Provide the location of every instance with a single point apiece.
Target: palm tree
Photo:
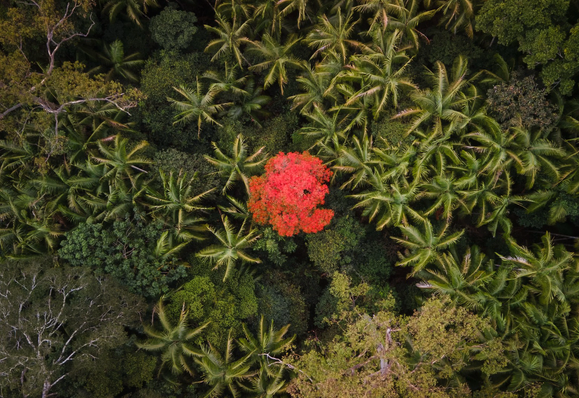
(327, 129)
(277, 57)
(231, 246)
(381, 78)
(239, 164)
(495, 145)
(533, 153)
(390, 204)
(544, 268)
(120, 163)
(134, 9)
(113, 58)
(445, 192)
(249, 103)
(406, 22)
(231, 36)
(382, 11)
(355, 159)
(176, 204)
(267, 385)
(266, 344)
(198, 105)
(315, 91)
(333, 34)
(268, 14)
(174, 342)
(459, 276)
(456, 14)
(442, 102)
(301, 6)
(500, 209)
(223, 372)
(226, 82)
(234, 10)
(425, 246)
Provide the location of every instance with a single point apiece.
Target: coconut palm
(326, 129)
(426, 246)
(444, 190)
(231, 246)
(266, 344)
(239, 164)
(389, 204)
(249, 103)
(133, 9)
(114, 62)
(315, 91)
(381, 10)
(440, 105)
(533, 153)
(198, 105)
(276, 58)
(406, 22)
(222, 372)
(355, 159)
(227, 82)
(456, 14)
(121, 163)
(334, 34)
(381, 78)
(231, 36)
(176, 205)
(174, 342)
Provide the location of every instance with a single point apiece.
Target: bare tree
(54, 318)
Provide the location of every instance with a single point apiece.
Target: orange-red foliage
(288, 194)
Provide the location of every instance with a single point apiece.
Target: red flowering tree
(288, 194)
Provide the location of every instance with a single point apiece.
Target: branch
(13, 108)
(288, 365)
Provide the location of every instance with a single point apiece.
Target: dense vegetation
(258, 198)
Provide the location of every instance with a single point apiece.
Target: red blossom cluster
(287, 195)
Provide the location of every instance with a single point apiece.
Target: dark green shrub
(173, 29)
(125, 250)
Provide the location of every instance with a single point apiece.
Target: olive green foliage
(173, 29)
(345, 246)
(174, 160)
(167, 70)
(225, 304)
(385, 355)
(275, 133)
(339, 296)
(126, 250)
(282, 301)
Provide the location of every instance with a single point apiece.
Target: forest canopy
(257, 198)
